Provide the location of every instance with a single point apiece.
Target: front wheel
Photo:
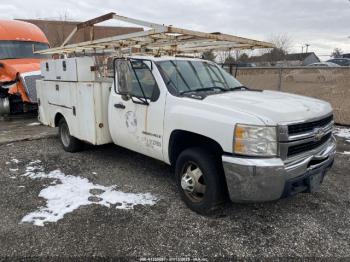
(69, 143)
(200, 180)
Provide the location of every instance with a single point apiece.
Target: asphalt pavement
(307, 225)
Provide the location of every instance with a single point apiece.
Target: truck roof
(13, 30)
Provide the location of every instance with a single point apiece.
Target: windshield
(21, 49)
(182, 76)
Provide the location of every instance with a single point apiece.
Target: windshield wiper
(239, 88)
(213, 88)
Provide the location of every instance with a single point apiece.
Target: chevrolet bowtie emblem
(319, 133)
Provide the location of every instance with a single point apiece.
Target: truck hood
(11, 67)
(270, 106)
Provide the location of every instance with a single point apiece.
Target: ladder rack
(157, 40)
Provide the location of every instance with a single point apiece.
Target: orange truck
(19, 65)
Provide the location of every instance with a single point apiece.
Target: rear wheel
(200, 180)
(69, 143)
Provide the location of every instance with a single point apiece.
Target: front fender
(204, 119)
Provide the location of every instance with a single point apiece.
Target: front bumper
(261, 180)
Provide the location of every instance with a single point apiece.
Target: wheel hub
(65, 135)
(187, 183)
(192, 182)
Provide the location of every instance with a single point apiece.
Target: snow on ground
(34, 124)
(67, 193)
(345, 153)
(15, 161)
(342, 132)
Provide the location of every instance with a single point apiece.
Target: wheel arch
(57, 119)
(181, 140)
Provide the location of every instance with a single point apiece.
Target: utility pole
(307, 47)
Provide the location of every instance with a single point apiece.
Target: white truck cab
(225, 140)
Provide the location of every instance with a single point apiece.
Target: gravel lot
(311, 225)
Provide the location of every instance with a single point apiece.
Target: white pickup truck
(226, 141)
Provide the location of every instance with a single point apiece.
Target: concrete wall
(330, 84)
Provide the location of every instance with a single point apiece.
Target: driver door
(136, 107)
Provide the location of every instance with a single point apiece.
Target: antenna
(307, 47)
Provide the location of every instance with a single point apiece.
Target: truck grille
(30, 85)
(309, 126)
(304, 147)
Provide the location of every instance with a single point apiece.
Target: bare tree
(223, 56)
(283, 42)
(244, 58)
(60, 33)
(209, 55)
(337, 53)
(283, 45)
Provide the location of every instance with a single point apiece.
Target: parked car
(241, 64)
(324, 64)
(340, 61)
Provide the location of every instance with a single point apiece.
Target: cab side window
(136, 79)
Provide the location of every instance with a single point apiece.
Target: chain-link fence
(330, 84)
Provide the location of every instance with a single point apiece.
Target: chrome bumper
(260, 180)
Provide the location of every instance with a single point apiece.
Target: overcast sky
(324, 24)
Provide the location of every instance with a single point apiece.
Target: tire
(201, 170)
(69, 143)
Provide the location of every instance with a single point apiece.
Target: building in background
(297, 59)
(58, 31)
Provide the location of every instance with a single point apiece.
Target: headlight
(255, 140)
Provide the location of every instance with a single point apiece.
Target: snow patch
(71, 192)
(342, 132)
(34, 124)
(15, 161)
(345, 153)
(13, 169)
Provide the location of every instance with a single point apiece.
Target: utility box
(83, 104)
(77, 69)
(48, 69)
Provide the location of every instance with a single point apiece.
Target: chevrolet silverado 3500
(226, 141)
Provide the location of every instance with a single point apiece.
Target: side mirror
(125, 97)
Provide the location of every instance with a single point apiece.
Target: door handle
(119, 106)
